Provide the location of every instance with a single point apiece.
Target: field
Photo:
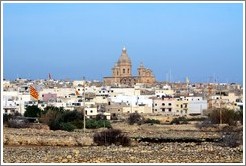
(46, 146)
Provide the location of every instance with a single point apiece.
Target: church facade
(122, 73)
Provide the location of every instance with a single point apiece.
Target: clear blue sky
(76, 40)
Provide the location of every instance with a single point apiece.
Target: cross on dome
(124, 48)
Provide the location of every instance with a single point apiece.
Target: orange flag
(33, 92)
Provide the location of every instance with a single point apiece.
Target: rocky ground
(45, 146)
(143, 153)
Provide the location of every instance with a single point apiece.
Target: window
(169, 104)
(155, 109)
(170, 109)
(163, 109)
(155, 104)
(163, 104)
(91, 111)
(181, 106)
(128, 71)
(123, 70)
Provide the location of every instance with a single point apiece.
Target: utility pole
(84, 107)
(220, 105)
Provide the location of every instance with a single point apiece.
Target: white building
(132, 100)
(14, 101)
(196, 105)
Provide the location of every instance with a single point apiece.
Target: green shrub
(197, 119)
(50, 114)
(152, 121)
(69, 116)
(60, 119)
(55, 125)
(67, 126)
(111, 136)
(32, 111)
(179, 120)
(94, 124)
(78, 123)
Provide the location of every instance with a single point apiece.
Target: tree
(135, 118)
(70, 116)
(50, 114)
(227, 116)
(32, 111)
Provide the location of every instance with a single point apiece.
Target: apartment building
(164, 105)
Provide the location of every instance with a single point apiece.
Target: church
(122, 73)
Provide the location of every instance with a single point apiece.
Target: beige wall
(139, 109)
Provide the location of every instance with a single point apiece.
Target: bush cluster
(32, 111)
(18, 123)
(7, 117)
(197, 119)
(152, 121)
(63, 119)
(135, 118)
(111, 136)
(179, 120)
(227, 116)
(60, 119)
(94, 124)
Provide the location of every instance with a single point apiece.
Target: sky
(202, 41)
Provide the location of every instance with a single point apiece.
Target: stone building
(122, 73)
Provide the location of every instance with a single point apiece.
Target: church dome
(124, 57)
